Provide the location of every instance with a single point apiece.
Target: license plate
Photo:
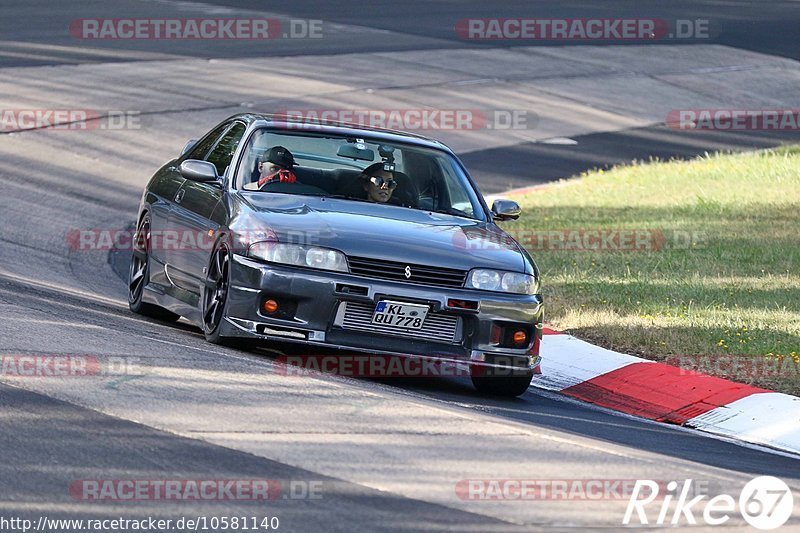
(400, 315)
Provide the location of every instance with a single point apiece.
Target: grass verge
(695, 263)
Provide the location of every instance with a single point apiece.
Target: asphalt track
(388, 454)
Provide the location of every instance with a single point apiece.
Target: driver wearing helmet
(277, 166)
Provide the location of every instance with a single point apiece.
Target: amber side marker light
(270, 306)
(520, 338)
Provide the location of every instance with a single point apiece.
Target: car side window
(222, 153)
(201, 149)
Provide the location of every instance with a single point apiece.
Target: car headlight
(501, 281)
(299, 255)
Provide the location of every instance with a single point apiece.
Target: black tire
(139, 276)
(503, 385)
(215, 297)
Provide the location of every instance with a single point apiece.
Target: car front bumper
(333, 309)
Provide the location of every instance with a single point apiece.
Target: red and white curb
(669, 394)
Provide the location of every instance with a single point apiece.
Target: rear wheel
(512, 383)
(139, 276)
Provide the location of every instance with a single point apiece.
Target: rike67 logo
(765, 503)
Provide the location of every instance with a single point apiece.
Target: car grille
(395, 271)
(437, 327)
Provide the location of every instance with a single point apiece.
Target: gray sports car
(333, 235)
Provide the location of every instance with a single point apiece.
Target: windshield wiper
(451, 211)
(343, 197)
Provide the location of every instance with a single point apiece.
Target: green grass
(735, 291)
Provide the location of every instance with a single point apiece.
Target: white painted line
(64, 290)
(478, 81)
(769, 418)
(663, 427)
(559, 140)
(53, 322)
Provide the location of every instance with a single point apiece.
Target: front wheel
(500, 385)
(215, 295)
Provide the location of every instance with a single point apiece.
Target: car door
(192, 212)
(165, 248)
(162, 191)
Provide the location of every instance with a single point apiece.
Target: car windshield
(357, 169)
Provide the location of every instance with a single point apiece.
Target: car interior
(332, 167)
(334, 182)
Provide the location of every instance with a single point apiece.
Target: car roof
(288, 123)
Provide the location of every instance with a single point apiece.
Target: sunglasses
(380, 182)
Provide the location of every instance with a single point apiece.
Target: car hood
(386, 232)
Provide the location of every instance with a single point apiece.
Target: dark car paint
(356, 228)
(364, 229)
(376, 230)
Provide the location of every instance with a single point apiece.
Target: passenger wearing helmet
(277, 166)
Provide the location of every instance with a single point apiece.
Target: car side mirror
(506, 210)
(188, 146)
(201, 171)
